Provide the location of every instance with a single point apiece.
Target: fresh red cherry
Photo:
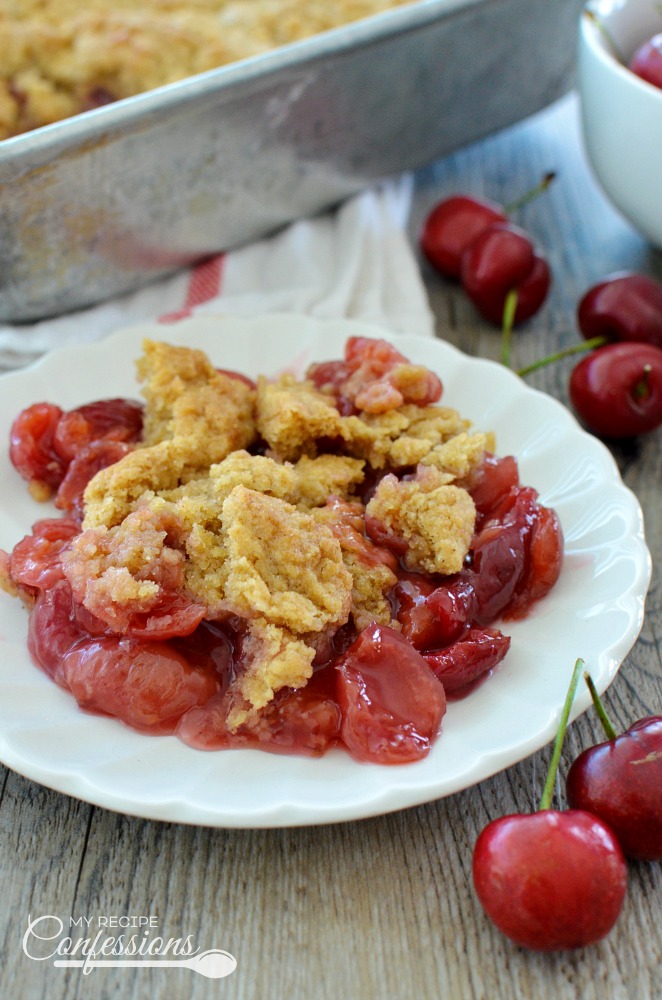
(647, 61)
(551, 880)
(616, 390)
(623, 306)
(501, 260)
(620, 781)
(451, 226)
(456, 221)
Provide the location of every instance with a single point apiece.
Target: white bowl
(621, 113)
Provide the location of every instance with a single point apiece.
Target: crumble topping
(325, 476)
(460, 455)
(275, 542)
(120, 571)
(435, 519)
(401, 437)
(186, 397)
(7, 583)
(113, 492)
(194, 416)
(60, 57)
(274, 659)
(293, 416)
(372, 572)
(282, 565)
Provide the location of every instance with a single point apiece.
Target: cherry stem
(548, 790)
(610, 732)
(586, 345)
(509, 309)
(524, 199)
(607, 35)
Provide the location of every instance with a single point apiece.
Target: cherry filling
(514, 561)
(90, 459)
(469, 659)
(32, 445)
(164, 668)
(305, 721)
(381, 694)
(146, 683)
(374, 378)
(392, 704)
(35, 562)
(47, 443)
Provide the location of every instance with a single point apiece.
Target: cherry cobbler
(290, 564)
(62, 57)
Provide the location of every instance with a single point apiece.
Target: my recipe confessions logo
(89, 943)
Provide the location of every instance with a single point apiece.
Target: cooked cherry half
(391, 702)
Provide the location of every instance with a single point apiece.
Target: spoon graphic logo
(46, 940)
(213, 964)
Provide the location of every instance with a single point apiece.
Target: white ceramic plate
(595, 611)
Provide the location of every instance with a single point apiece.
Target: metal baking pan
(104, 202)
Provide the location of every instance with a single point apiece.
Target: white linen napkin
(354, 262)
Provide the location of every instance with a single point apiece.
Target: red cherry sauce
(46, 442)
(370, 379)
(380, 693)
(515, 559)
(147, 683)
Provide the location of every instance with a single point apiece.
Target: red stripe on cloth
(205, 281)
(204, 284)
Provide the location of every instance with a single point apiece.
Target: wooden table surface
(382, 908)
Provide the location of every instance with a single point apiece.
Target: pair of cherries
(496, 262)
(554, 880)
(616, 390)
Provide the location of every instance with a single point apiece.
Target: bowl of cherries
(619, 75)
